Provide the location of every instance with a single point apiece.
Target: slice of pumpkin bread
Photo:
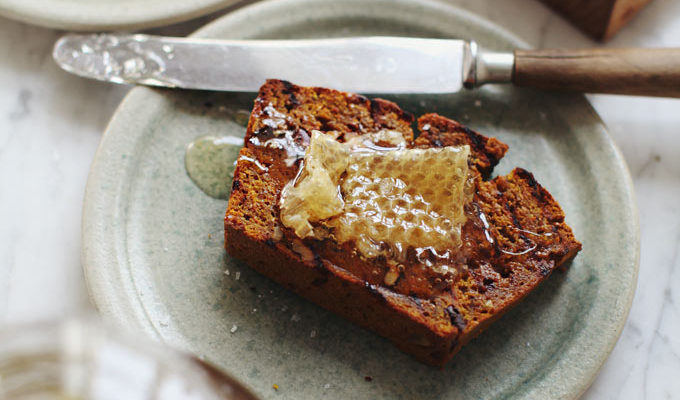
(428, 304)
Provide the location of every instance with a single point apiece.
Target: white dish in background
(107, 15)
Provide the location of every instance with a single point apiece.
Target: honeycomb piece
(384, 199)
(404, 198)
(368, 142)
(315, 194)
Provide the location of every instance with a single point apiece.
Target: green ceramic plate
(153, 247)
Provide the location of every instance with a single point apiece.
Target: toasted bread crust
(438, 131)
(515, 235)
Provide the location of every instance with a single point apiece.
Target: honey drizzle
(285, 141)
(254, 161)
(533, 245)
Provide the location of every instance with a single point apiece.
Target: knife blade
(363, 64)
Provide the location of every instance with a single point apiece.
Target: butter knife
(363, 64)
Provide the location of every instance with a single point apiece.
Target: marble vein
(658, 336)
(22, 108)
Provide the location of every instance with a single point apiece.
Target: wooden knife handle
(643, 72)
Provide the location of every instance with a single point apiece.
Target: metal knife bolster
(480, 67)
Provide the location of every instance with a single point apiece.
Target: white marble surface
(51, 122)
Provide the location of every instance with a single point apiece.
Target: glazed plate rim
(109, 285)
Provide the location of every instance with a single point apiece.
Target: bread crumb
(233, 329)
(391, 277)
